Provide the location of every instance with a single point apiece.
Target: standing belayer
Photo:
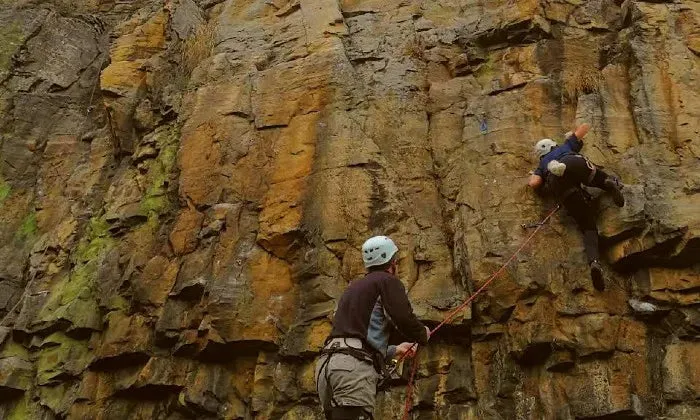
(564, 170)
(354, 355)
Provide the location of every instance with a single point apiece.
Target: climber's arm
(535, 181)
(574, 139)
(581, 131)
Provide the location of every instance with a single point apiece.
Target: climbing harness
(357, 353)
(454, 312)
(593, 169)
(386, 376)
(362, 354)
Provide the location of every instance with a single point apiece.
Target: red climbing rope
(409, 387)
(454, 312)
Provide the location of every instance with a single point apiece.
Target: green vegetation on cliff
(11, 39)
(155, 201)
(5, 190)
(28, 228)
(73, 297)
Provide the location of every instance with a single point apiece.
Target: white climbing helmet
(544, 146)
(378, 250)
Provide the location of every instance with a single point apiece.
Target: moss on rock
(73, 297)
(96, 243)
(156, 202)
(13, 349)
(11, 39)
(28, 228)
(61, 356)
(24, 409)
(5, 190)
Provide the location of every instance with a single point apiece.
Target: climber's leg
(581, 170)
(578, 206)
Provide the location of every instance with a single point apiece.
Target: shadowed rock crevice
(120, 361)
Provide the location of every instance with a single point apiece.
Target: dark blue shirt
(571, 146)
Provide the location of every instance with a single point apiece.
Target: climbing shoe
(613, 188)
(597, 275)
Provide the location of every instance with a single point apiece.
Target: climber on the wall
(354, 355)
(563, 170)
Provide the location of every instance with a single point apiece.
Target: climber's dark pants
(576, 201)
(578, 205)
(348, 413)
(580, 171)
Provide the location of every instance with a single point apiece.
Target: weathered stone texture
(185, 186)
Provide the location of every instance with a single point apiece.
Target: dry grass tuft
(582, 82)
(415, 48)
(198, 46)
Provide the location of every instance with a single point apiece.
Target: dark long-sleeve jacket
(369, 308)
(572, 145)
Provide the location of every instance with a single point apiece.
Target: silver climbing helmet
(378, 250)
(544, 146)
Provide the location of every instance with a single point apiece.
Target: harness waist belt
(344, 342)
(353, 347)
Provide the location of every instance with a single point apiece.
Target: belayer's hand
(406, 350)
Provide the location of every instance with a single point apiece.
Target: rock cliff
(185, 186)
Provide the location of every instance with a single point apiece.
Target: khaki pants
(346, 381)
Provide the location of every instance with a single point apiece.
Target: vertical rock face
(185, 186)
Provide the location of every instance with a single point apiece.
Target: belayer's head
(544, 146)
(378, 254)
